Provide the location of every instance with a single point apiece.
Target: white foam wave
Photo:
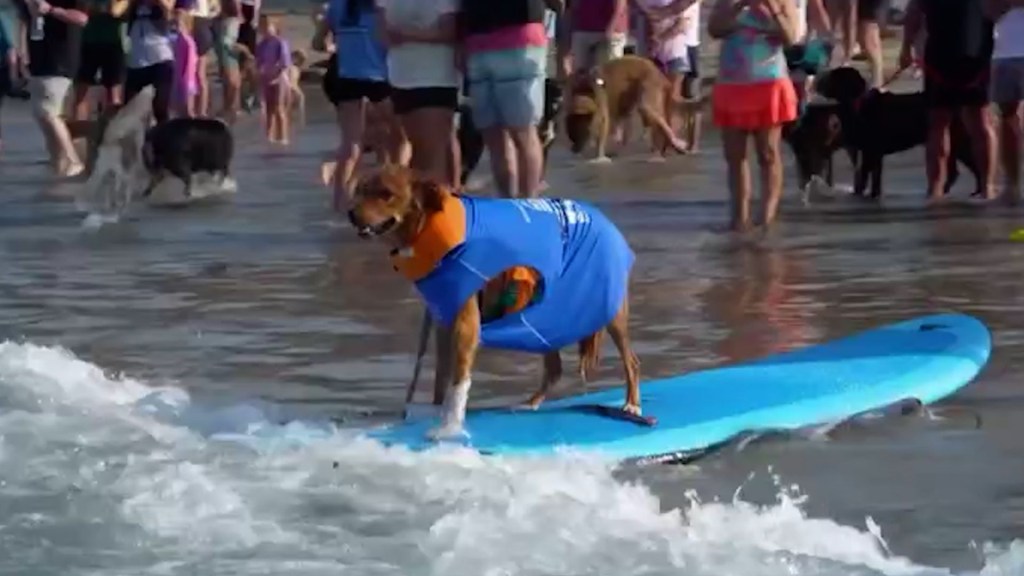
(103, 474)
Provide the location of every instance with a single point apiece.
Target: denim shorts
(226, 36)
(507, 86)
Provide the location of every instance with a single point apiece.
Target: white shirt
(674, 47)
(1009, 35)
(691, 21)
(420, 64)
(201, 9)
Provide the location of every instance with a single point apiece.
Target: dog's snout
(361, 229)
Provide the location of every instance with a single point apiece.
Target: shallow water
(140, 354)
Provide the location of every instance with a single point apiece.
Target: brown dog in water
(466, 257)
(610, 94)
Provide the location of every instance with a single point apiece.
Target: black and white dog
(471, 142)
(129, 159)
(184, 147)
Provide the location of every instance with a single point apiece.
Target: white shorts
(48, 94)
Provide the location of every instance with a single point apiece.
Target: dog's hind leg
(590, 355)
(876, 178)
(552, 374)
(953, 174)
(619, 331)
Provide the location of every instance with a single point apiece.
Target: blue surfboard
(924, 359)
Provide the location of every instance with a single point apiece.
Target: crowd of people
(400, 67)
(66, 51)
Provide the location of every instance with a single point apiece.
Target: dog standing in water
(528, 275)
(607, 96)
(876, 124)
(185, 147)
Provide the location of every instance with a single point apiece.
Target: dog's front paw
(633, 409)
(448, 430)
(601, 160)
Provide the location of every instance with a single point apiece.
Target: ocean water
(181, 391)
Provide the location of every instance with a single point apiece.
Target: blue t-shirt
(361, 55)
(8, 28)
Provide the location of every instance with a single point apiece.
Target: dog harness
(582, 258)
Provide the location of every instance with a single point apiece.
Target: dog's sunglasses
(367, 231)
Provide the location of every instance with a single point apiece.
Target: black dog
(471, 142)
(814, 138)
(876, 124)
(184, 146)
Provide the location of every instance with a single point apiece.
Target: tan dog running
(465, 256)
(609, 95)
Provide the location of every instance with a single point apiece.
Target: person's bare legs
(352, 122)
(47, 103)
(80, 106)
(430, 154)
(1010, 132)
(850, 27)
(530, 160)
(202, 97)
(937, 151)
(454, 156)
(734, 145)
(870, 36)
(843, 14)
(232, 79)
(502, 154)
(769, 160)
(983, 143)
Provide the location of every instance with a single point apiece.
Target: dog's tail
(132, 117)
(590, 354)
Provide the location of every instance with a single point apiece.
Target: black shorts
(406, 100)
(247, 29)
(691, 81)
(340, 90)
(962, 82)
(161, 77)
(202, 33)
(102, 64)
(5, 83)
(876, 11)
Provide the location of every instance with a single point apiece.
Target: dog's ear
(430, 195)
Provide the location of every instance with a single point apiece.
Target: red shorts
(754, 106)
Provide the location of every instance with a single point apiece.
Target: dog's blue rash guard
(582, 257)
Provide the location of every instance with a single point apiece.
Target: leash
(410, 391)
(885, 84)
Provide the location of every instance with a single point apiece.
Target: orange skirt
(754, 106)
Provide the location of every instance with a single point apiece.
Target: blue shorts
(507, 87)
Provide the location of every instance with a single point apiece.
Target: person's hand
(775, 7)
